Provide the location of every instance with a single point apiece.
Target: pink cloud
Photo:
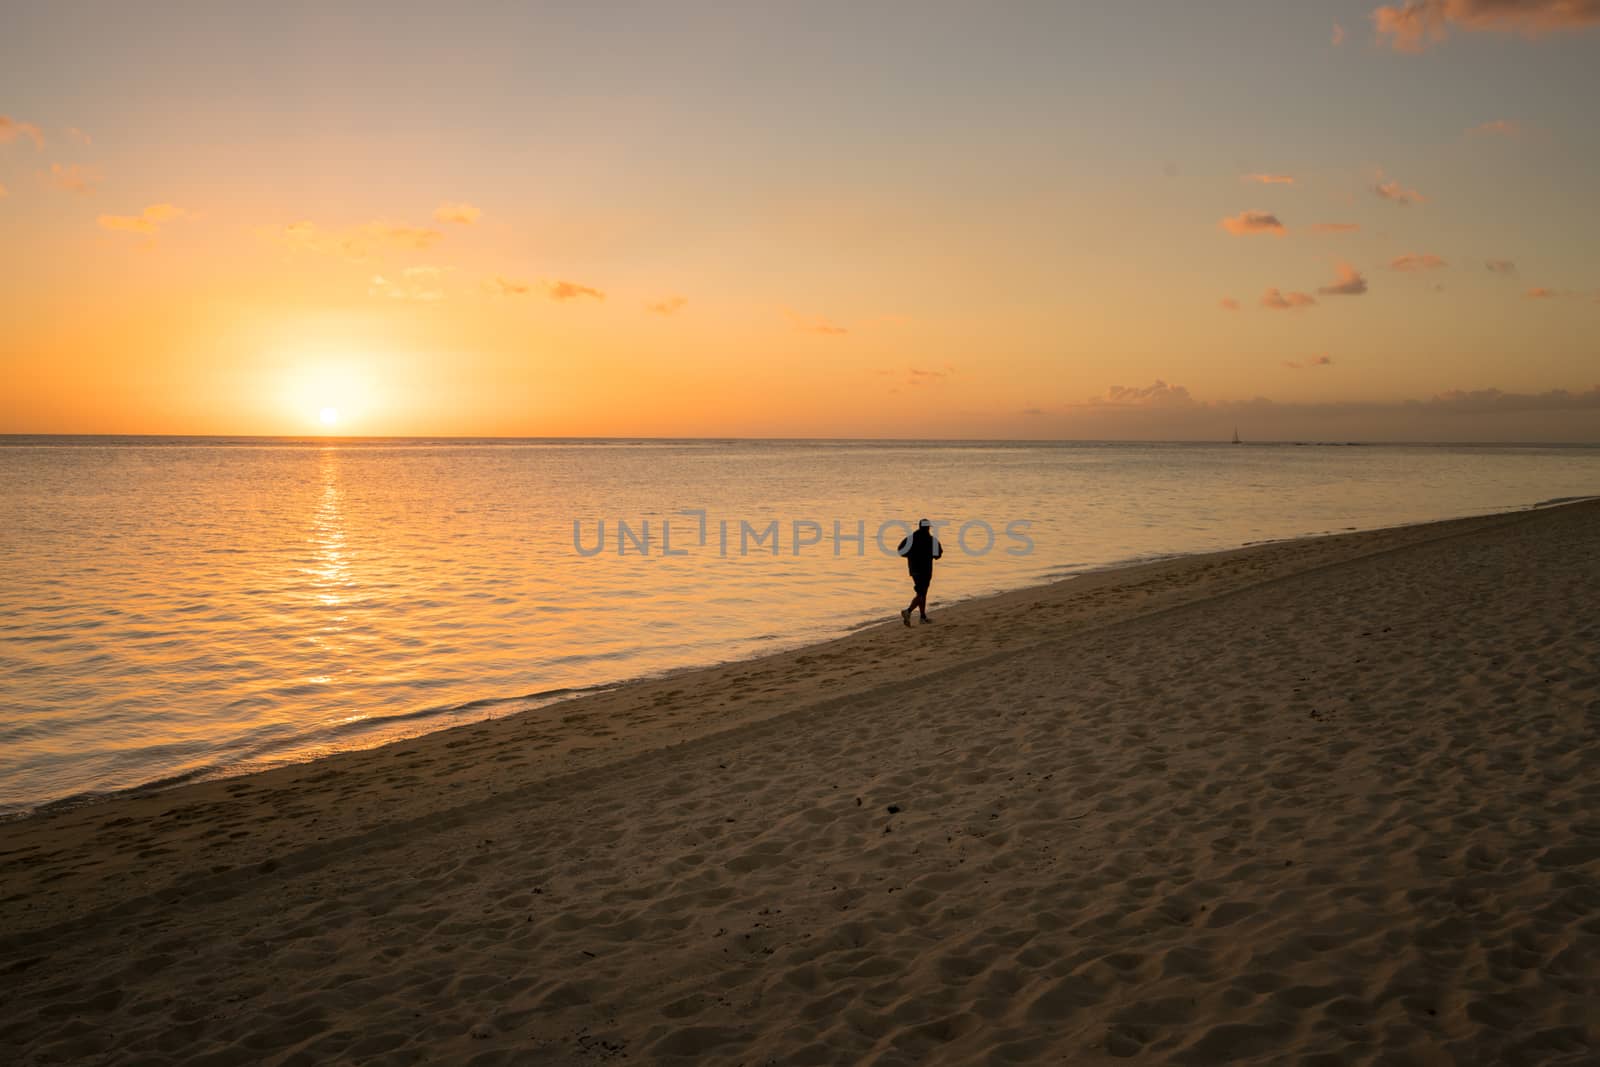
(1392, 190)
(1157, 394)
(1274, 300)
(1335, 227)
(73, 178)
(1501, 266)
(148, 222)
(670, 306)
(499, 286)
(1248, 222)
(571, 291)
(1418, 24)
(1228, 303)
(1498, 128)
(1412, 263)
(11, 130)
(1350, 283)
(369, 240)
(1322, 361)
(1338, 35)
(459, 213)
(917, 376)
(815, 324)
(1539, 292)
(1270, 179)
(417, 285)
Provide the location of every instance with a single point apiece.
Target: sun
(327, 393)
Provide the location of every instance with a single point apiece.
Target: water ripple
(171, 610)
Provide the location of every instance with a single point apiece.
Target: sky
(1332, 220)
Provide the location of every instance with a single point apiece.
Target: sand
(1330, 801)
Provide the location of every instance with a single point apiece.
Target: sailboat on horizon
(1236, 436)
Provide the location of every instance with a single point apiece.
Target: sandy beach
(1318, 802)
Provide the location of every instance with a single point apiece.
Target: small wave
(319, 739)
(78, 800)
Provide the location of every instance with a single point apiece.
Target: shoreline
(1282, 558)
(537, 702)
(1310, 801)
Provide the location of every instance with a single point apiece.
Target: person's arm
(938, 549)
(901, 547)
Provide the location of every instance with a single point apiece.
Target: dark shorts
(919, 582)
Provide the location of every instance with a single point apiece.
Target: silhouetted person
(920, 550)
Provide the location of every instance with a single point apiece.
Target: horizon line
(352, 438)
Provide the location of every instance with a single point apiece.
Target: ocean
(177, 608)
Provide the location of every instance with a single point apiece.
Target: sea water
(178, 608)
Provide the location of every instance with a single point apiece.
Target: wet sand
(1328, 801)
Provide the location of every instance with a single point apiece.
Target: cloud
(1156, 395)
(11, 130)
(1350, 283)
(1248, 222)
(1274, 300)
(1412, 263)
(78, 136)
(371, 240)
(1479, 401)
(499, 286)
(670, 306)
(73, 178)
(148, 222)
(1498, 128)
(918, 376)
(461, 214)
(1335, 227)
(1314, 361)
(1392, 190)
(1501, 266)
(1338, 35)
(1418, 24)
(1539, 292)
(1454, 415)
(815, 324)
(397, 234)
(1228, 303)
(414, 284)
(1453, 401)
(1269, 179)
(570, 291)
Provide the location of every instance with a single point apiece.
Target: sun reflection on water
(331, 571)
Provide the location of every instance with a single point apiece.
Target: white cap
(924, 522)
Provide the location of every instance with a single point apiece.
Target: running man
(920, 550)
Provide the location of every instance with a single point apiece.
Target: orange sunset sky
(1076, 220)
